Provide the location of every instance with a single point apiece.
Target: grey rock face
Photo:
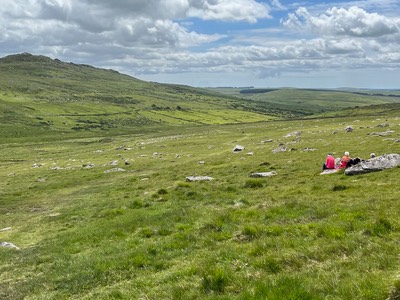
(379, 163)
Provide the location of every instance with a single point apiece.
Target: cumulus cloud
(162, 36)
(227, 10)
(354, 22)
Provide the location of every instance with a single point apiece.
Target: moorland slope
(93, 192)
(39, 95)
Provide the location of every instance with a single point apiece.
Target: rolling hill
(44, 96)
(39, 94)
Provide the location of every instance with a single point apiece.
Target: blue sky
(209, 43)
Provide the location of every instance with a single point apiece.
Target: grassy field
(303, 102)
(146, 233)
(93, 191)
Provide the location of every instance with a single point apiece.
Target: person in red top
(345, 159)
(329, 163)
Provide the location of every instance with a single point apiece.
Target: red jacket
(344, 161)
(330, 162)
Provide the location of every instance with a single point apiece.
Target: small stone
(114, 170)
(263, 174)
(8, 245)
(238, 148)
(199, 178)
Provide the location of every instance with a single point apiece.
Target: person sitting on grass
(345, 159)
(329, 163)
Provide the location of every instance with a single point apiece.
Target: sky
(216, 43)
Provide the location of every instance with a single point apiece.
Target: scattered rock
(36, 165)
(199, 178)
(250, 153)
(41, 179)
(123, 148)
(238, 148)
(5, 229)
(383, 125)
(201, 162)
(281, 148)
(379, 163)
(294, 134)
(114, 163)
(266, 141)
(56, 168)
(263, 174)
(384, 133)
(8, 245)
(127, 163)
(88, 166)
(114, 170)
(349, 129)
(309, 149)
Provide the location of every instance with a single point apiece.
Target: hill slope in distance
(41, 96)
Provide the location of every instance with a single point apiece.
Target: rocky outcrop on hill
(379, 163)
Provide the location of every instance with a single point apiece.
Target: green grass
(145, 232)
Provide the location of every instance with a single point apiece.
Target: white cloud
(144, 37)
(228, 10)
(354, 22)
